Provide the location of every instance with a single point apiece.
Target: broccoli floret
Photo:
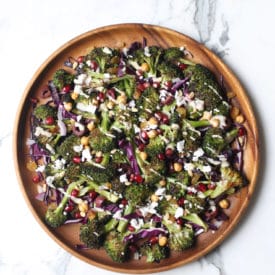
(55, 217)
(119, 157)
(171, 132)
(169, 71)
(167, 207)
(194, 204)
(176, 55)
(215, 140)
(176, 184)
(72, 172)
(206, 88)
(106, 58)
(148, 102)
(155, 146)
(102, 173)
(57, 173)
(62, 78)
(125, 83)
(93, 233)
(150, 55)
(44, 111)
(230, 178)
(137, 194)
(180, 238)
(154, 253)
(116, 247)
(66, 148)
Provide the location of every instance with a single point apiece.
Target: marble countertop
(240, 32)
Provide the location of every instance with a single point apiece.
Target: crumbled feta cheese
(107, 50)
(59, 164)
(197, 104)
(197, 154)
(80, 79)
(147, 51)
(41, 132)
(49, 181)
(149, 209)
(50, 148)
(123, 178)
(160, 191)
(90, 108)
(221, 119)
(188, 166)
(78, 148)
(86, 155)
(40, 168)
(180, 146)
(179, 212)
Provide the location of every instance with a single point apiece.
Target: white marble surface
(241, 32)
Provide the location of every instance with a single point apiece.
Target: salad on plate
(140, 146)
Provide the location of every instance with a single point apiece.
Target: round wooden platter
(116, 36)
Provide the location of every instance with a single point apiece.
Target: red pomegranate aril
(138, 178)
(161, 156)
(168, 100)
(124, 202)
(241, 131)
(202, 187)
(74, 193)
(211, 186)
(141, 87)
(69, 208)
(66, 89)
(111, 93)
(49, 120)
(180, 221)
(77, 215)
(101, 96)
(183, 66)
(158, 115)
(144, 135)
(168, 84)
(169, 152)
(180, 201)
(156, 85)
(36, 178)
(76, 159)
(92, 195)
(165, 119)
(153, 240)
(141, 147)
(98, 159)
(94, 65)
(131, 228)
(80, 59)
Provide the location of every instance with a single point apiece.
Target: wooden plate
(114, 36)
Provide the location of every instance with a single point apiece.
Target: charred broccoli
(93, 233)
(116, 247)
(66, 148)
(154, 253)
(169, 71)
(62, 78)
(137, 194)
(44, 111)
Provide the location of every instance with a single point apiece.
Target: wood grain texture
(114, 36)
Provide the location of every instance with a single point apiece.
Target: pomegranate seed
(66, 89)
(211, 186)
(168, 100)
(111, 93)
(74, 193)
(165, 119)
(180, 221)
(101, 97)
(141, 147)
(94, 65)
(34, 100)
(98, 159)
(168, 84)
(36, 178)
(69, 208)
(131, 228)
(77, 215)
(76, 159)
(169, 152)
(124, 202)
(92, 195)
(138, 178)
(141, 86)
(181, 201)
(153, 240)
(201, 187)
(49, 120)
(156, 85)
(161, 156)
(241, 131)
(80, 59)
(158, 115)
(144, 135)
(182, 66)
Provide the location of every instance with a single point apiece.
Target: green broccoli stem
(123, 223)
(231, 135)
(187, 62)
(198, 123)
(110, 225)
(105, 122)
(108, 195)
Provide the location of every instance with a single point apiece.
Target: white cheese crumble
(107, 50)
(90, 108)
(180, 146)
(86, 155)
(123, 178)
(41, 132)
(179, 212)
(59, 164)
(78, 148)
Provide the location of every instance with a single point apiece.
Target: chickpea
(68, 106)
(234, 112)
(153, 121)
(215, 123)
(74, 95)
(122, 99)
(152, 133)
(83, 207)
(224, 204)
(154, 198)
(163, 240)
(91, 126)
(84, 140)
(178, 167)
(162, 182)
(239, 118)
(143, 155)
(145, 67)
